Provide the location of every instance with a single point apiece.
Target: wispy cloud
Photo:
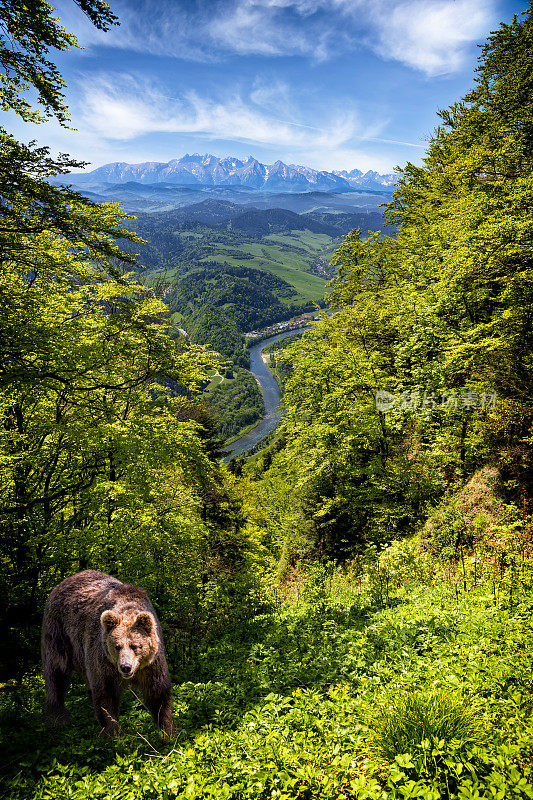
(125, 107)
(118, 110)
(264, 27)
(157, 27)
(432, 36)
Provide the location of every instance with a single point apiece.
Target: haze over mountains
(208, 170)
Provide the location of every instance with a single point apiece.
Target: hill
(295, 247)
(157, 197)
(256, 222)
(259, 223)
(347, 614)
(209, 325)
(176, 247)
(251, 298)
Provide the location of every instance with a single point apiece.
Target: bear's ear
(145, 622)
(109, 620)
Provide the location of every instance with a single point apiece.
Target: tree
(474, 194)
(29, 203)
(28, 31)
(101, 463)
(441, 317)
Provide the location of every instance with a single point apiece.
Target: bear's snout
(127, 663)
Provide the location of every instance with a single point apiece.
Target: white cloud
(158, 27)
(429, 35)
(432, 36)
(117, 111)
(262, 27)
(125, 107)
(272, 95)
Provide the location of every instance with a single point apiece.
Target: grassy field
(286, 264)
(312, 242)
(339, 689)
(290, 256)
(215, 379)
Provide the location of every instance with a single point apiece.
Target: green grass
(215, 381)
(313, 242)
(283, 705)
(308, 286)
(413, 718)
(286, 264)
(290, 256)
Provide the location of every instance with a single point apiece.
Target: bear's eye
(134, 647)
(118, 646)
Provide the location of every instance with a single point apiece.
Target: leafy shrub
(423, 720)
(405, 562)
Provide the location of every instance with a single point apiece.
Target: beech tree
(28, 31)
(440, 317)
(101, 464)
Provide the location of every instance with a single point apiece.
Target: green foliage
(211, 326)
(187, 236)
(378, 678)
(424, 720)
(284, 704)
(281, 344)
(237, 403)
(250, 297)
(438, 319)
(27, 37)
(103, 458)
(177, 247)
(95, 468)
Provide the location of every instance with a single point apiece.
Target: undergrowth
(424, 692)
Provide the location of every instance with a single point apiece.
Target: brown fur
(100, 627)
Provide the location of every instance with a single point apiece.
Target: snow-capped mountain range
(209, 170)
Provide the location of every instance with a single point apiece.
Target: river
(271, 397)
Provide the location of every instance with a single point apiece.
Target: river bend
(271, 397)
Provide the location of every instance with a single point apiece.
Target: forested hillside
(423, 375)
(346, 613)
(181, 238)
(100, 462)
(251, 298)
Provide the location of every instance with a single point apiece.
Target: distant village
(279, 327)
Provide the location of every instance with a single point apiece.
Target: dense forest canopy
(251, 298)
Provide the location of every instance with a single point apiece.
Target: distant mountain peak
(198, 169)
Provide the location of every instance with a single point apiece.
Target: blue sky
(332, 84)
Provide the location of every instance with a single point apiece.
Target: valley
(341, 610)
(229, 272)
(271, 396)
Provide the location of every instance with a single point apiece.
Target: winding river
(271, 397)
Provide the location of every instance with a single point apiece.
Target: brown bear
(109, 633)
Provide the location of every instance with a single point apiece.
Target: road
(271, 397)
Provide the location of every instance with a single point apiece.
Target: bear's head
(131, 640)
